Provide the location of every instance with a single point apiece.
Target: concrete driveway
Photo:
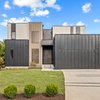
(82, 84)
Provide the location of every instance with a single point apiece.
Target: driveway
(82, 84)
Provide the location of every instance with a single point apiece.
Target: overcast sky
(51, 12)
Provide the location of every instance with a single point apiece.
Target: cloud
(39, 13)
(4, 15)
(80, 23)
(39, 6)
(52, 4)
(65, 24)
(26, 3)
(86, 7)
(15, 20)
(6, 5)
(96, 20)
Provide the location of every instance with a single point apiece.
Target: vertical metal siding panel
(20, 55)
(99, 51)
(77, 51)
(93, 51)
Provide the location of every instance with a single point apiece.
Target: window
(35, 37)
(77, 29)
(47, 34)
(35, 55)
(13, 31)
(12, 53)
(71, 30)
(13, 35)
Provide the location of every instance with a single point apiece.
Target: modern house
(59, 47)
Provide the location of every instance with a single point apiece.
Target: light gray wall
(67, 30)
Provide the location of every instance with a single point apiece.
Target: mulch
(35, 97)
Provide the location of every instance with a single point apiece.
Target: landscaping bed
(35, 97)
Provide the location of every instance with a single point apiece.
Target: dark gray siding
(17, 52)
(77, 51)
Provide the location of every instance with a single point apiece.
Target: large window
(35, 55)
(13, 31)
(35, 36)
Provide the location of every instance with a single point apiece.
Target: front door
(47, 55)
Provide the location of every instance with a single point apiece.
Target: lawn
(21, 77)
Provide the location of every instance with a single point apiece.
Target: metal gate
(77, 51)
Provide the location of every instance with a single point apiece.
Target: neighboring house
(29, 42)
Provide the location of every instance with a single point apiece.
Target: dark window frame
(13, 31)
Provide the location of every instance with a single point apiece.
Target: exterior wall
(17, 53)
(35, 26)
(81, 51)
(9, 31)
(22, 31)
(82, 30)
(61, 30)
(67, 30)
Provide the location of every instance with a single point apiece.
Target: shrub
(29, 90)
(2, 63)
(10, 91)
(51, 90)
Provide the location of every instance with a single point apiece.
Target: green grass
(22, 77)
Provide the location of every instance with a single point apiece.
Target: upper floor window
(13, 31)
(47, 34)
(77, 29)
(71, 30)
(35, 37)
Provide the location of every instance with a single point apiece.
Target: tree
(2, 54)
(2, 49)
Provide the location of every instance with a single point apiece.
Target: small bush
(1, 62)
(51, 90)
(29, 90)
(10, 91)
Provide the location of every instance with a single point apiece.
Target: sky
(51, 12)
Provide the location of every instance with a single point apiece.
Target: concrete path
(82, 84)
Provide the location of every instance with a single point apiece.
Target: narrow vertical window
(12, 53)
(13, 31)
(35, 55)
(77, 29)
(71, 30)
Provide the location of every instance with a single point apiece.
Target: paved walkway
(82, 84)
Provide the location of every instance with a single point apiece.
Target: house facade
(29, 43)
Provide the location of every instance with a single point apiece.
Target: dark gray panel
(77, 51)
(20, 52)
